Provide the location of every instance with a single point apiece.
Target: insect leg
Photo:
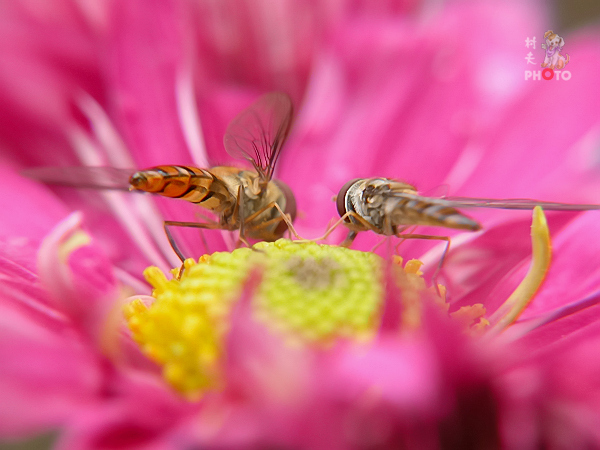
(351, 234)
(376, 246)
(204, 242)
(333, 227)
(243, 241)
(204, 216)
(209, 220)
(283, 216)
(267, 224)
(238, 211)
(347, 242)
(171, 223)
(402, 231)
(441, 263)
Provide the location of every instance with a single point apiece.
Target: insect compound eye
(290, 200)
(341, 197)
(290, 204)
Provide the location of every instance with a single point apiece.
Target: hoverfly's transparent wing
(506, 203)
(258, 133)
(515, 203)
(82, 177)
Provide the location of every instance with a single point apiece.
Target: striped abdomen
(412, 210)
(188, 183)
(388, 204)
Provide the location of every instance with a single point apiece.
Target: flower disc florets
(310, 294)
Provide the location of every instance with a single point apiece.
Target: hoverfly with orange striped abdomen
(250, 201)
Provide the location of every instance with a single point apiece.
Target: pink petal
(45, 377)
(22, 291)
(31, 211)
(138, 411)
(148, 52)
(550, 162)
(573, 274)
(554, 398)
(251, 349)
(83, 287)
(265, 383)
(490, 266)
(406, 375)
(563, 327)
(47, 54)
(259, 46)
(391, 99)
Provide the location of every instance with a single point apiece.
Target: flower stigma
(516, 303)
(309, 294)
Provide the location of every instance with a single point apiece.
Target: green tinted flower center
(309, 294)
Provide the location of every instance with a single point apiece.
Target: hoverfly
(390, 207)
(246, 200)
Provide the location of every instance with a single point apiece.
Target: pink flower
(431, 96)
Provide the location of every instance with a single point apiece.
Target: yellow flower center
(309, 294)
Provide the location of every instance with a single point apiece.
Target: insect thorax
(255, 196)
(370, 199)
(255, 202)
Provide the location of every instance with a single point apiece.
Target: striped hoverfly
(390, 207)
(250, 201)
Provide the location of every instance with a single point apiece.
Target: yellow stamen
(310, 294)
(510, 310)
(412, 285)
(471, 317)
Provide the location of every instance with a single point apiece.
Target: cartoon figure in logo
(554, 45)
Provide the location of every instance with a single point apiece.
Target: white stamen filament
(107, 136)
(90, 155)
(117, 155)
(189, 118)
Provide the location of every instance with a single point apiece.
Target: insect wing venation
(257, 134)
